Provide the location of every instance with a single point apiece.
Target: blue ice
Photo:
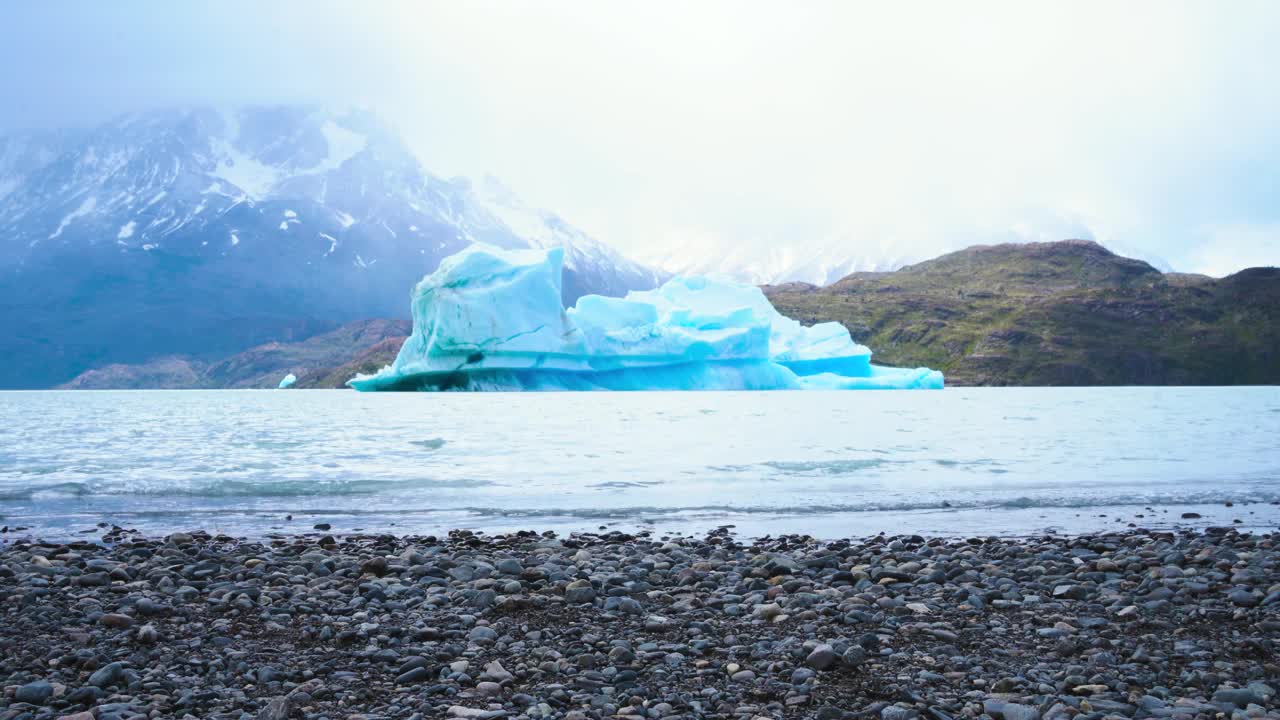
(492, 319)
(287, 381)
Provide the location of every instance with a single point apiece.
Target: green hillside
(1062, 313)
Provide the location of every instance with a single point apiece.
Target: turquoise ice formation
(287, 381)
(491, 319)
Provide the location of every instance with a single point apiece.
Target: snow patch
(343, 145)
(290, 214)
(526, 223)
(252, 177)
(333, 243)
(235, 240)
(819, 264)
(256, 179)
(86, 207)
(284, 225)
(497, 204)
(126, 230)
(346, 220)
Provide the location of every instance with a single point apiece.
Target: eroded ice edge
(492, 319)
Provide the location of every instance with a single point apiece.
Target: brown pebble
(116, 620)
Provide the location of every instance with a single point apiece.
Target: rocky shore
(1129, 625)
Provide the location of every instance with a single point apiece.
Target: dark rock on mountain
(263, 366)
(200, 232)
(1061, 313)
(168, 372)
(313, 360)
(367, 362)
(791, 287)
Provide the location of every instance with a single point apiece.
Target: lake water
(989, 461)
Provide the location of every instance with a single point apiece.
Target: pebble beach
(1133, 624)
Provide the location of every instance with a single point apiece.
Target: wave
(1004, 516)
(853, 466)
(1018, 503)
(221, 488)
(930, 505)
(64, 489)
(812, 467)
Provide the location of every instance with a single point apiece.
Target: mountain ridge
(1056, 313)
(1060, 313)
(201, 231)
(261, 366)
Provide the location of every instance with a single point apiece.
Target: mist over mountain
(780, 263)
(807, 255)
(204, 230)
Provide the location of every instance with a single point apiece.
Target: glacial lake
(1010, 461)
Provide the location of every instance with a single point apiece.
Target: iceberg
(287, 381)
(492, 319)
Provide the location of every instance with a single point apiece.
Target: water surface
(1008, 461)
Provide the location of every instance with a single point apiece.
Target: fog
(683, 129)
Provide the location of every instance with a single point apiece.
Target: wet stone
(610, 625)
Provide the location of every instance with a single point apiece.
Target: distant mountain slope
(1064, 313)
(202, 232)
(818, 265)
(171, 372)
(1061, 313)
(366, 362)
(258, 367)
(822, 260)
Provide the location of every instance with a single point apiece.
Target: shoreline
(944, 521)
(1135, 623)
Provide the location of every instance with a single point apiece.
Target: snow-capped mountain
(772, 265)
(204, 230)
(822, 257)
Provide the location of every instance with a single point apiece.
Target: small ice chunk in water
(491, 319)
(288, 381)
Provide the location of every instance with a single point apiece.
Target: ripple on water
(223, 452)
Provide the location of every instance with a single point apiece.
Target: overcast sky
(884, 128)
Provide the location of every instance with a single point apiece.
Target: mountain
(1056, 313)
(366, 362)
(203, 231)
(170, 372)
(262, 366)
(822, 258)
(779, 263)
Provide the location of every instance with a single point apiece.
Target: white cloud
(866, 127)
(1228, 248)
(873, 127)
